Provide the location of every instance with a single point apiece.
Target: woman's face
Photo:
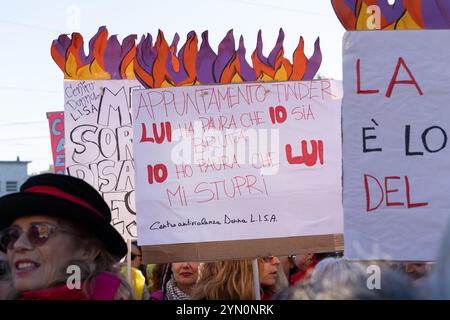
(37, 266)
(185, 273)
(137, 255)
(303, 261)
(268, 271)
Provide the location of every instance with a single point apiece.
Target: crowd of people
(56, 222)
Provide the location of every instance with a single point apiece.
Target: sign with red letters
(237, 161)
(395, 144)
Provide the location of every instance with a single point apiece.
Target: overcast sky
(31, 83)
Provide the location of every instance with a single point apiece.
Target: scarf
(61, 292)
(172, 292)
(104, 288)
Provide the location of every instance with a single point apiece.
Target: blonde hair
(225, 280)
(90, 269)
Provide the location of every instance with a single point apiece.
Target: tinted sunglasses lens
(38, 234)
(8, 238)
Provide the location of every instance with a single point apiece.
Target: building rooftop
(14, 161)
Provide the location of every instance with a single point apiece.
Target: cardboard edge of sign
(242, 249)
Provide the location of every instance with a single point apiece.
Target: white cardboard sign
(237, 161)
(396, 164)
(98, 144)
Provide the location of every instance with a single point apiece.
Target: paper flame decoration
(403, 14)
(160, 65)
(107, 58)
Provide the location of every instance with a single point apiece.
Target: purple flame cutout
(314, 62)
(246, 72)
(205, 61)
(225, 53)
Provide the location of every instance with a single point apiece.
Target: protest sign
(218, 165)
(56, 124)
(99, 133)
(395, 153)
(97, 117)
(90, 142)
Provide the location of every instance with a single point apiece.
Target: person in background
(136, 259)
(282, 281)
(138, 280)
(293, 268)
(417, 270)
(269, 269)
(7, 291)
(289, 266)
(59, 241)
(179, 280)
(335, 273)
(437, 283)
(340, 279)
(155, 274)
(233, 279)
(225, 280)
(306, 264)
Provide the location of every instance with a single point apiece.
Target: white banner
(395, 151)
(98, 144)
(237, 161)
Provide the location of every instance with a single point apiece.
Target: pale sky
(31, 83)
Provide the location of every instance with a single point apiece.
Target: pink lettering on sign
(56, 124)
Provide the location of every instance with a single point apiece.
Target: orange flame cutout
(277, 67)
(173, 53)
(161, 65)
(107, 59)
(299, 61)
(181, 67)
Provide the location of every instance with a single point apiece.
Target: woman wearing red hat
(59, 241)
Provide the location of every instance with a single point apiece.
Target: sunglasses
(268, 259)
(37, 234)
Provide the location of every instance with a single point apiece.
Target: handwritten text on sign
(395, 128)
(99, 133)
(240, 161)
